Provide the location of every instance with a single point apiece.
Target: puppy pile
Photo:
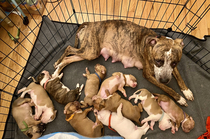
(156, 55)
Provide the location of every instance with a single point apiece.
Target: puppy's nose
(164, 80)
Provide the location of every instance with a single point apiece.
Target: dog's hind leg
(68, 60)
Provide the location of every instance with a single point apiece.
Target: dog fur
(133, 45)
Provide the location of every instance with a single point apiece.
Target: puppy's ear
(179, 42)
(117, 74)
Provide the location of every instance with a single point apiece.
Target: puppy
(122, 125)
(22, 113)
(116, 82)
(92, 84)
(112, 103)
(80, 122)
(54, 86)
(152, 108)
(176, 113)
(43, 104)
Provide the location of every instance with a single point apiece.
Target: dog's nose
(164, 80)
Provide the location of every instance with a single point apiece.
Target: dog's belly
(126, 60)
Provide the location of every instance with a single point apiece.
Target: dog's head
(71, 107)
(98, 103)
(35, 131)
(188, 124)
(100, 69)
(130, 80)
(166, 54)
(43, 77)
(49, 116)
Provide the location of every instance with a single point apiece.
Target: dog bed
(43, 58)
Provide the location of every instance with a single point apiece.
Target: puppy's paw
(81, 87)
(77, 85)
(188, 94)
(182, 101)
(121, 105)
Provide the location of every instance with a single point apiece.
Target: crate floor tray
(55, 37)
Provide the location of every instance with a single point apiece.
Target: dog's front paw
(182, 101)
(188, 94)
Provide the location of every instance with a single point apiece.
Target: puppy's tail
(32, 78)
(82, 26)
(140, 107)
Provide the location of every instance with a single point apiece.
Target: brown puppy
(176, 113)
(92, 84)
(132, 112)
(80, 122)
(44, 107)
(133, 45)
(116, 82)
(54, 86)
(22, 113)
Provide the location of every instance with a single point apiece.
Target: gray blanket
(51, 44)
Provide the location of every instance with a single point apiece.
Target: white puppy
(152, 108)
(125, 127)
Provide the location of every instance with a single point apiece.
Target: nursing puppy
(113, 101)
(134, 46)
(80, 122)
(152, 108)
(92, 84)
(116, 82)
(22, 113)
(122, 125)
(177, 115)
(54, 86)
(44, 108)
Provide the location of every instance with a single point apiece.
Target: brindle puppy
(57, 89)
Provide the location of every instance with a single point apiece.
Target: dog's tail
(78, 30)
(32, 78)
(140, 107)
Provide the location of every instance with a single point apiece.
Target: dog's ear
(179, 42)
(151, 40)
(116, 74)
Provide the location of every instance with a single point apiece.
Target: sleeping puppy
(176, 113)
(122, 125)
(80, 122)
(152, 108)
(92, 84)
(44, 107)
(116, 82)
(22, 113)
(57, 89)
(113, 101)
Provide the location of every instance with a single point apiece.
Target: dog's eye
(159, 62)
(173, 64)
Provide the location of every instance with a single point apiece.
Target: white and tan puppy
(116, 82)
(178, 116)
(152, 108)
(44, 107)
(125, 127)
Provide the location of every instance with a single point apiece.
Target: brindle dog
(133, 45)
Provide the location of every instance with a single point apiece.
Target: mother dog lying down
(133, 45)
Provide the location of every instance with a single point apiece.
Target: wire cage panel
(181, 16)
